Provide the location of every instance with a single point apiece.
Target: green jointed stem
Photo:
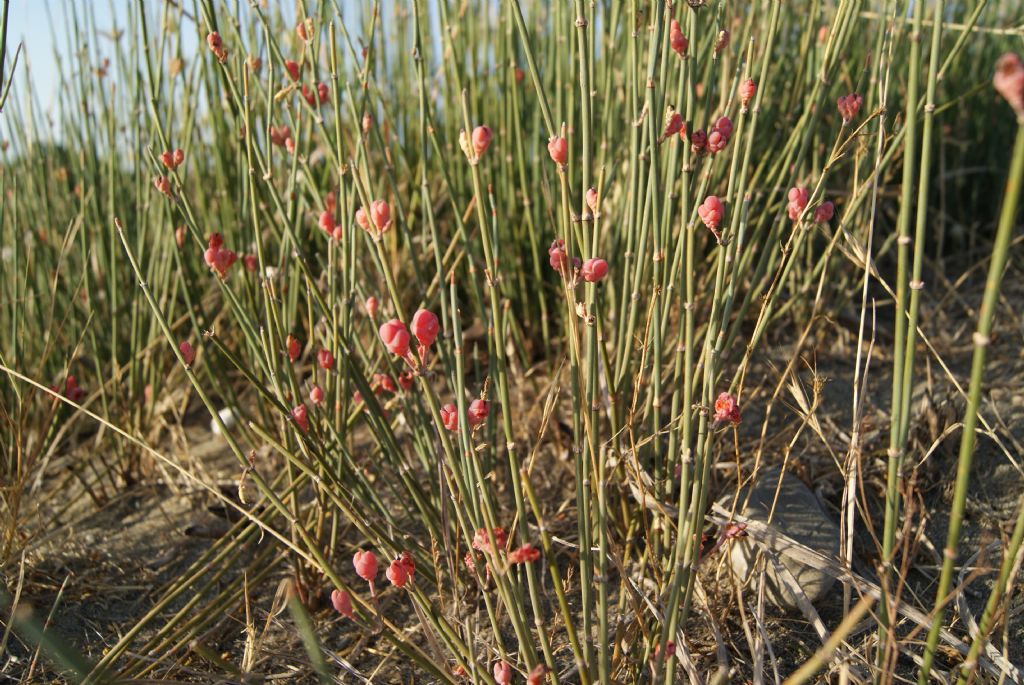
(982, 339)
(897, 441)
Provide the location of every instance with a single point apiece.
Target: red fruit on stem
(279, 135)
(482, 136)
(722, 42)
(294, 348)
(470, 561)
(747, 91)
(397, 574)
(717, 141)
(325, 359)
(823, 214)
(478, 411)
(698, 141)
(1009, 81)
(711, 212)
(301, 418)
(723, 126)
(557, 257)
(670, 650)
(726, 409)
(381, 214)
(502, 673)
(188, 353)
(524, 554)
(558, 148)
(363, 219)
(326, 221)
(450, 417)
(71, 389)
(797, 199)
(395, 337)
(225, 258)
(316, 395)
(682, 132)
(406, 560)
(217, 257)
(536, 676)
(365, 563)
(849, 106)
(216, 45)
(482, 542)
(313, 97)
(342, 603)
(594, 270)
(673, 123)
(425, 327)
(677, 40)
(798, 195)
(383, 383)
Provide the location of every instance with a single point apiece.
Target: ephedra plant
(478, 297)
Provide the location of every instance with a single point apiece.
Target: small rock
(227, 417)
(798, 515)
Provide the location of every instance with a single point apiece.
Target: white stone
(227, 417)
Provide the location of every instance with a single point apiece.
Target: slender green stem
(982, 339)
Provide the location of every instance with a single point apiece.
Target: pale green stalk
(897, 443)
(982, 339)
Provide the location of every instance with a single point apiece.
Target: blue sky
(34, 23)
(30, 22)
